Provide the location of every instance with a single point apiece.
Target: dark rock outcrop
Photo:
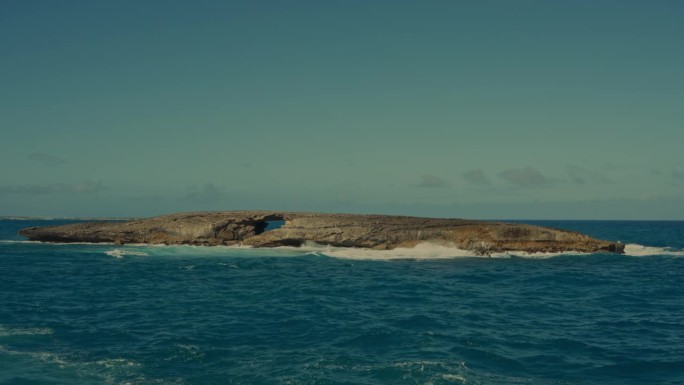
(348, 230)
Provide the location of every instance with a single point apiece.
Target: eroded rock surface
(348, 230)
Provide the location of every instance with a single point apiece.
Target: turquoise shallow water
(104, 314)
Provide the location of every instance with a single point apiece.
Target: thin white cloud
(208, 192)
(28, 189)
(528, 177)
(477, 177)
(85, 187)
(678, 175)
(581, 175)
(46, 159)
(432, 181)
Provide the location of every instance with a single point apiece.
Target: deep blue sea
(105, 314)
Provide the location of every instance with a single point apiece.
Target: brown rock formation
(348, 230)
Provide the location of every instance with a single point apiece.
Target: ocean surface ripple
(105, 314)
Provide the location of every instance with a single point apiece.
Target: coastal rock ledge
(382, 232)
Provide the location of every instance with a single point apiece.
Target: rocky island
(381, 232)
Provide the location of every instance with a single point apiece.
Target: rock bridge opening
(268, 224)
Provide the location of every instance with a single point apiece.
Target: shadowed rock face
(348, 230)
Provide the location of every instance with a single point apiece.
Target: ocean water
(105, 314)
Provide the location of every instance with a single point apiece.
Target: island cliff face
(346, 230)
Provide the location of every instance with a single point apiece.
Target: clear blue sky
(476, 109)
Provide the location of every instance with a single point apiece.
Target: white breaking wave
(119, 253)
(9, 241)
(424, 250)
(421, 251)
(428, 250)
(63, 368)
(635, 250)
(18, 331)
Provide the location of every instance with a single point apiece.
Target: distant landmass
(273, 229)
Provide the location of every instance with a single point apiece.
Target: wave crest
(424, 250)
(19, 331)
(636, 250)
(119, 253)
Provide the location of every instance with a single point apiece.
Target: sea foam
(19, 331)
(636, 250)
(105, 371)
(428, 251)
(424, 250)
(119, 253)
